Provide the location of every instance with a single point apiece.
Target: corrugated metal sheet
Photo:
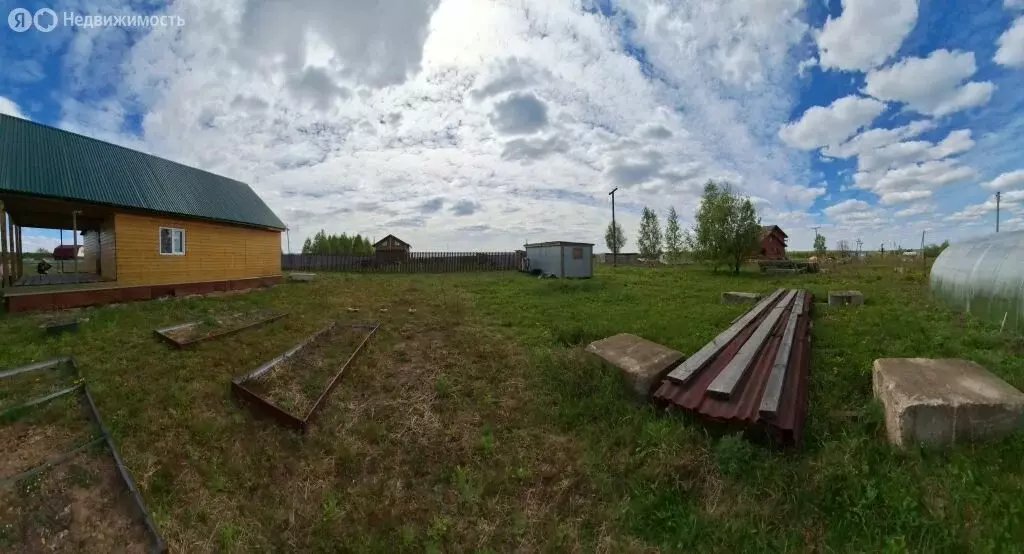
(44, 161)
(755, 373)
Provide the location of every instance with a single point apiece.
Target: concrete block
(303, 277)
(643, 363)
(844, 297)
(940, 402)
(732, 297)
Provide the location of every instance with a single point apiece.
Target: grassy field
(474, 422)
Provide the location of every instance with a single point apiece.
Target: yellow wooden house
(150, 226)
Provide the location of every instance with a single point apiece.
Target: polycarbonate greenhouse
(984, 277)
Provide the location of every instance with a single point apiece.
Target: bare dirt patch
(296, 383)
(42, 433)
(80, 505)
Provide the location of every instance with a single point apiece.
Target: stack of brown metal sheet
(753, 373)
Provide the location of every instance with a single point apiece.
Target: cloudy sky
(481, 124)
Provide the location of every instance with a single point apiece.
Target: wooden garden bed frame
(261, 404)
(163, 333)
(156, 542)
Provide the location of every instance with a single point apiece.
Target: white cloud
(905, 196)
(1013, 4)
(915, 209)
(7, 106)
(847, 207)
(866, 33)
(1008, 180)
(902, 153)
(803, 67)
(518, 116)
(1011, 45)
(874, 139)
(912, 177)
(376, 43)
(830, 125)
(899, 170)
(933, 85)
(1010, 200)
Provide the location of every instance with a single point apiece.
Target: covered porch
(87, 261)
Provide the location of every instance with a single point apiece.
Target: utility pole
(288, 237)
(999, 196)
(615, 232)
(921, 252)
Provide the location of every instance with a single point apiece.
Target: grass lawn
(476, 423)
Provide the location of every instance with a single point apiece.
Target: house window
(172, 241)
(577, 253)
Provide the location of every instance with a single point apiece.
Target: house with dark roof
(391, 249)
(149, 226)
(773, 242)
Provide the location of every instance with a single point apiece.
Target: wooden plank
(726, 381)
(695, 363)
(773, 388)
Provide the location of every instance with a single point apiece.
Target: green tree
(933, 250)
(323, 243)
(819, 244)
(673, 237)
(648, 239)
(726, 229)
(614, 237)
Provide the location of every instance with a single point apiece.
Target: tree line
(726, 231)
(324, 243)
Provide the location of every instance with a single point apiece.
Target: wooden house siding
(90, 252)
(108, 250)
(213, 251)
(98, 255)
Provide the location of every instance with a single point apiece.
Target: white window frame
(160, 244)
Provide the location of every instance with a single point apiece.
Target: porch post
(12, 248)
(20, 255)
(5, 267)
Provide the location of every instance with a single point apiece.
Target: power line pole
(921, 252)
(999, 196)
(615, 232)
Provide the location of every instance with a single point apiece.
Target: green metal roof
(43, 161)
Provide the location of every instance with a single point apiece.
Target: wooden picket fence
(416, 262)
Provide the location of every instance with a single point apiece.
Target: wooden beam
(20, 255)
(726, 381)
(777, 378)
(12, 247)
(695, 363)
(4, 265)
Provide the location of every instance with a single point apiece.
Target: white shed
(561, 259)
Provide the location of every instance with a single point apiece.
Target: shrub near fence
(417, 262)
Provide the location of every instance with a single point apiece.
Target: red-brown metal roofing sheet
(744, 404)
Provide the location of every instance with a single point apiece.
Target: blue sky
(478, 125)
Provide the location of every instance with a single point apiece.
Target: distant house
(150, 227)
(773, 242)
(390, 249)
